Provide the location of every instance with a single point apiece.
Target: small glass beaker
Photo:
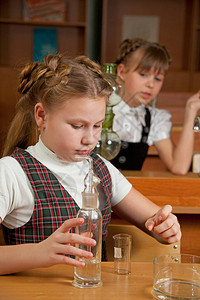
(122, 253)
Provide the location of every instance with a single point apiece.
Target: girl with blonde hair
(57, 124)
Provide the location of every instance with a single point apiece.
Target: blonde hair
(149, 55)
(52, 82)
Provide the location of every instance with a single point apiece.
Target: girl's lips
(146, 95)
(83, 152)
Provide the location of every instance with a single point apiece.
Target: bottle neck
(108, 118)
(89, 200)
(110, 69)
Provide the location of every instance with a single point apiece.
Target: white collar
(44, 154)
(123, 108)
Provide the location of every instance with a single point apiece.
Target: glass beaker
(176, 277)
(122, 253)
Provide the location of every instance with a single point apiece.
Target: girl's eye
(76, 126)
(98, 125)
(142, 74)
(158, 79)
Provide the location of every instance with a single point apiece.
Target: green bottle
(109, 143)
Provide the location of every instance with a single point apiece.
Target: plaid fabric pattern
(53, 204)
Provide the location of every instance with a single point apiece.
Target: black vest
(132, 155)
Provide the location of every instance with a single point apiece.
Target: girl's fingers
(159, 217)
(61, 243)
(71, 261)
(169, 229)
(72, 250)
(64, 259)
(149, 224)
(73, 238)
(64, 241)
(63, 236)
(174, 238)
(171, 235)
(170, 222)
(68, 224)
(163, 214)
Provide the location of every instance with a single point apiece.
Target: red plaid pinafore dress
(53, 204)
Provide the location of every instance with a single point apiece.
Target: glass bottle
(90, 275)
(109, 143)
(196, 126)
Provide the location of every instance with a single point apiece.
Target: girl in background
(142, 66)
(58, 120)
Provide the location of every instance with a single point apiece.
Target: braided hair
(52, 82)
(147, 55)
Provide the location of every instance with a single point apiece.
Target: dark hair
(149, 55)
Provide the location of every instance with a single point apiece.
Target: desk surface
(56, 283)
(158, 174)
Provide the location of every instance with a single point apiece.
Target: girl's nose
(150, 82)
(89, 138)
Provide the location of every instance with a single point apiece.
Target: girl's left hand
(165, 225)
(193, 103)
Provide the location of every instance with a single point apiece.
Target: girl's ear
(40, 115)
(121, 71)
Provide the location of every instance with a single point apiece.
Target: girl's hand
(54, 249)
(193, 103)
(165, 225)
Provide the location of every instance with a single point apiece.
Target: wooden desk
(158, 174)
(182, 192)
(55, 283)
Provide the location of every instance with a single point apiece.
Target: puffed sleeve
(16, 204)
(6, 188)
(160, 125)
(120, 185)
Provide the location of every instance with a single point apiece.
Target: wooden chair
(144, 247)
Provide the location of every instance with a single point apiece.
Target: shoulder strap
(146, 128)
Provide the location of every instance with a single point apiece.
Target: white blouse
(128, 123)
(16, 194)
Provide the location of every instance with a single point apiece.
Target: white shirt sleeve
(160, 126)
(120, 185)
(7, 188)
(16, 196)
